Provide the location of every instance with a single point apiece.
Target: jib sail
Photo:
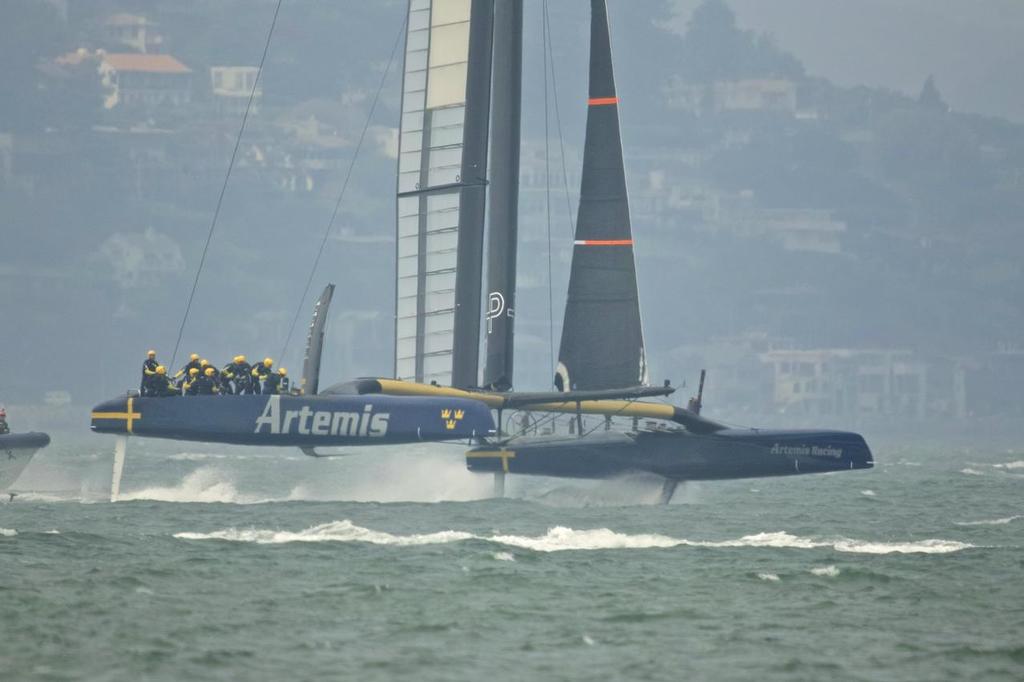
(602, 336)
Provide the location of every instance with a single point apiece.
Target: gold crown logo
(459, 414)
(446, 414)
(450, 424)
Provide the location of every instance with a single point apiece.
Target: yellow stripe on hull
(614, 408)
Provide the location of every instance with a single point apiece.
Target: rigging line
(344, 186)
(547, 206)
(224, 187)
(558, 124)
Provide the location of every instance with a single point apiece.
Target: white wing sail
(440, 173)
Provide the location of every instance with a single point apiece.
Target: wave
(971, 472)
(769, 577)
(867, 493)
(336, 531)
(7, 532)
(825, 571)
(560, 539)
(990, 522)
(1018, 464)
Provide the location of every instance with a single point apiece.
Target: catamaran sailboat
(460, 102)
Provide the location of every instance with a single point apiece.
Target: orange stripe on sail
(599, 101)
(604, 242)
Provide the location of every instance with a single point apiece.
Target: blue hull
(678, 455)
(302, 421)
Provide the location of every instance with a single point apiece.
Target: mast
(441, 190)
(602, 343)
(503, 214)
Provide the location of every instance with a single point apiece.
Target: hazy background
(833, 239)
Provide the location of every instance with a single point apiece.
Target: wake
(561, 539)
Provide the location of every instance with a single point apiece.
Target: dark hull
(16, 450)
(678, 455)
(302, 421)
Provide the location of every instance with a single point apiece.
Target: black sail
(602, 336)
(502, 215)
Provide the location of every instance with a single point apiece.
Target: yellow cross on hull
(129, 415)
(504, 455)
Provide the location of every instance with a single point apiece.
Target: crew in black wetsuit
(162, 386)
(203, 365)
(243, 375)
(188, 386)
(182, 374)
(207, 382)
(260, 371)
(275, 382)
(3, 422)
(225, 378)
(148, 372)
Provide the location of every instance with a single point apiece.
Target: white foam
(868, 493)
(336, 531)
(826, 571)
(1019, 464)
(52, 531)
(504, 556)
(202, 485)
(971, 472)
(560, 539)
(931, 546)
(769, 577)
(990, 522)
(588, 640)
(7, 532)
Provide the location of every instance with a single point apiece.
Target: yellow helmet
(239, 358)
(160, 369)
(209, 371)
(151, 353)
(204, 362)
(282, 372)
(267, 362)
(194, 357)
(192, 372)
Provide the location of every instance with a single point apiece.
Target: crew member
(162, 386)
(260, 371)
(182, 374)
(242, 375)
(4, 428)
(148, 372)
(206, 384)
(226, 376)
(276, 384)
(203, 364)
(189, 387)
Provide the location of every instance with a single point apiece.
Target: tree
(930, 97)
(715, 49)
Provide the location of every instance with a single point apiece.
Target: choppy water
(232, 564)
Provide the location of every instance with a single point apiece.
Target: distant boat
(16, 451)
(461, 100)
